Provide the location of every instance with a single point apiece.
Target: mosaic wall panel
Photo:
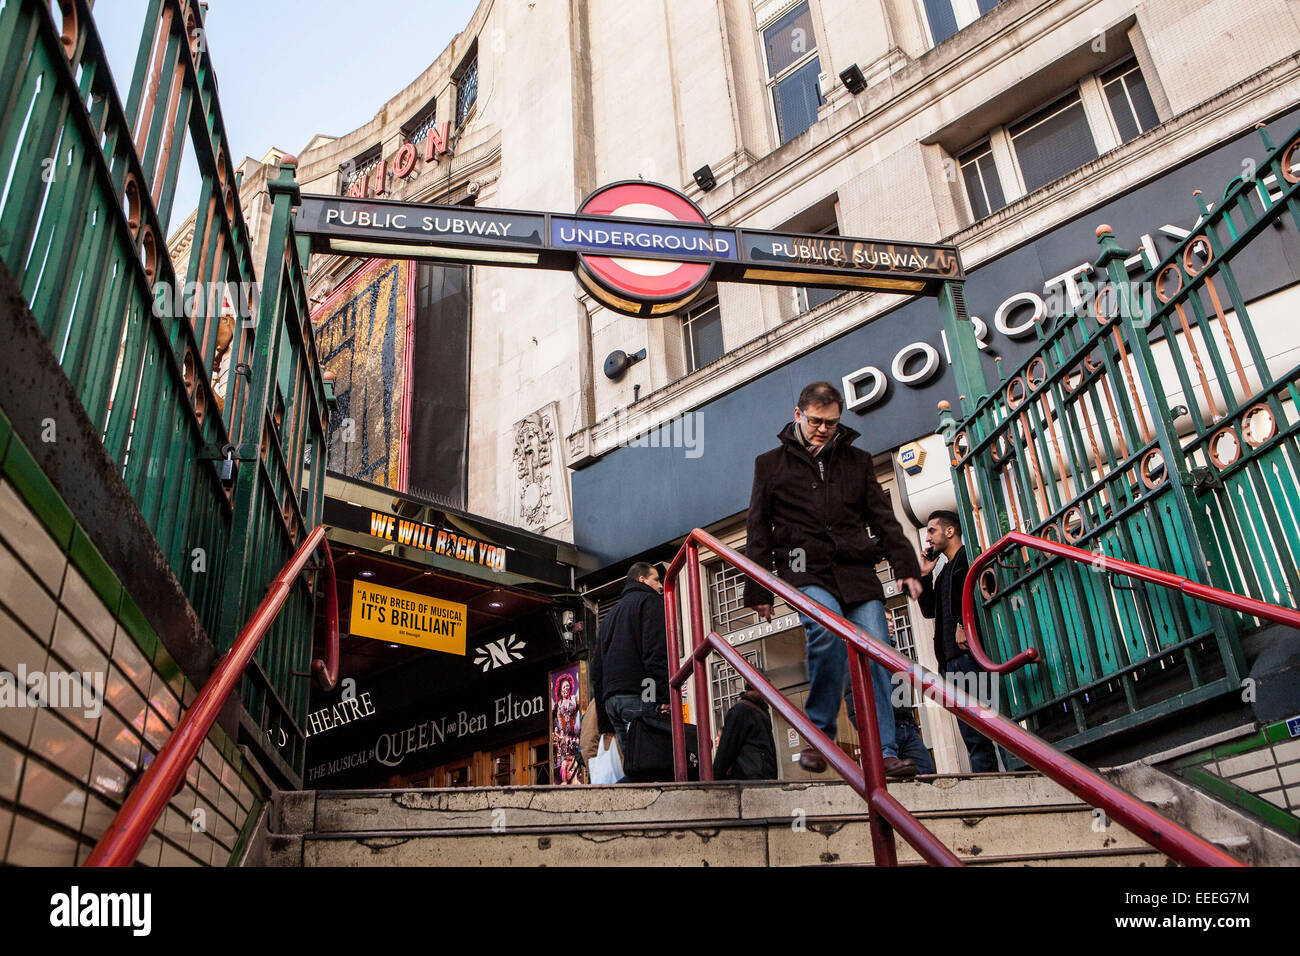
(363, 334)
(68, 754)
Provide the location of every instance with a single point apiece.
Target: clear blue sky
(287, 69)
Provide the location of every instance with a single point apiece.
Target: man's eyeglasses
(830, 424)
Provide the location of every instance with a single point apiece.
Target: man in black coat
(629, 663)
(745, 750)
(813, 498)
(941, 600)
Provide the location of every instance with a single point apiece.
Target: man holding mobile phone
(813, 498)
(941, 601)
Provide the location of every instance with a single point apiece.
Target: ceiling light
(366, 574)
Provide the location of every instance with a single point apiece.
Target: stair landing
(987, 819)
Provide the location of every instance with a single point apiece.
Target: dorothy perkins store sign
(639, 248)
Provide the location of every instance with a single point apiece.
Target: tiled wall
(64, 774)
(1259, 773)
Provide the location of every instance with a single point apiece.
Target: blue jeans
(622, 708)
(828, 668)
(912, 747)
(982, 751)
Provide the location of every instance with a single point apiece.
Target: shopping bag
(607, 765)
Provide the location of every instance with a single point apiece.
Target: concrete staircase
(1004, 819)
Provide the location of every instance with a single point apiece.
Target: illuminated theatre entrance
(457, 630)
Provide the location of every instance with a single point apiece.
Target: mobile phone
(931, 554)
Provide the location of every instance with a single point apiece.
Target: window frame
(771, 81)
(687, 318)
(1090, 93)
(1066, 101)
(972, 156)
(965, 12)
(1118, 73)
(363, 164)
(425, 118)
(721, 673)
(468, 65)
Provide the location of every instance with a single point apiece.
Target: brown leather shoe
(896, 769)
(814, 762)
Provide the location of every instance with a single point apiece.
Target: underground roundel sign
(635, 285)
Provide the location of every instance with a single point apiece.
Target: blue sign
(1293, 726)
(670, 241)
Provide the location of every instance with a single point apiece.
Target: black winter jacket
(631, 646)
(944, 589)
(745, 750)
(823, 506)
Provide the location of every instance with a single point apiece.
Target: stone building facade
(982, 124)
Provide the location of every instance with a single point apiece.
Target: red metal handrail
(886, 814)
(1103, 562)
(135, 820)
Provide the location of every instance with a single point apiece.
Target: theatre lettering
(416, 534)
(437, 143)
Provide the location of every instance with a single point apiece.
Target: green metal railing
(213, 440)
(1146, 426)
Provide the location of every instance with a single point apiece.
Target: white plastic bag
(607, 765)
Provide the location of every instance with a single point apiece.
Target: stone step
(366, 811)
(1052, 835)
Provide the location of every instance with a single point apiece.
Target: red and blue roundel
(635, 286)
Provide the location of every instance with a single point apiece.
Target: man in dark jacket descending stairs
(629, 664)
(812, 501)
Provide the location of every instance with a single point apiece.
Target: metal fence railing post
(873, 764)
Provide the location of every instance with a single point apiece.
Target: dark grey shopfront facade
(636, 501)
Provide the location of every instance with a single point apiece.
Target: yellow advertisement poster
(387, 614)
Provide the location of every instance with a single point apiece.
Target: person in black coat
(941, 598)
(629, 662)
(746, 751)
(813, 498)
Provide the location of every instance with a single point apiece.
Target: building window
(727, 685)
(1059, 138)
(539, 764)
(466, 87)
(727, 592)
(1053, 142)
(792, 72)
(900, 620)
(702, 335)
(1129, 100)
(418, 128)
(355, 171)
(983, 187)
(946, 17)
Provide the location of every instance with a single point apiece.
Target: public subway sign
(404, 617)
(639, 248)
